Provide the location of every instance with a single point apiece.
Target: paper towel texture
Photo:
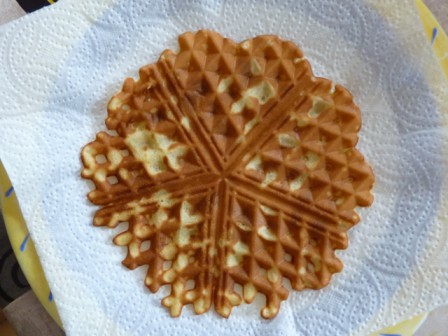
(60, 66)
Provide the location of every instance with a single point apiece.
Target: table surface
(440, 10)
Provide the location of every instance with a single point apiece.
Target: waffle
(234, 168)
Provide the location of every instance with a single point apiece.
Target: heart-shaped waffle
(235, 168)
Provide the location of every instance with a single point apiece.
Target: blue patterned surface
(25, 241)
(434, 35)
(9, 192)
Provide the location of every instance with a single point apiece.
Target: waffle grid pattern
(235, 170)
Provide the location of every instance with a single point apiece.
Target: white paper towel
(60, 66)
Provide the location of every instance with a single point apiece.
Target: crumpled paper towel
(58, 69)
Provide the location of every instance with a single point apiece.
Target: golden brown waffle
(235, 168)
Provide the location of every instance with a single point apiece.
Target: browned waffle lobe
(235, 169)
